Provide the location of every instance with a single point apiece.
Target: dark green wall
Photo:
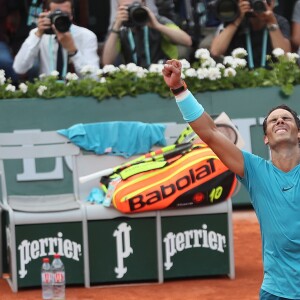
(62, 113)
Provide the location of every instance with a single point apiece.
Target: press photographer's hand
(268, 16)
(66, 40)
(152, 22)
(43, 23)
(121, 17)
(244, 7)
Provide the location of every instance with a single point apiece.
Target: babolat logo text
(195, 238)
(180, 185)
(31, 250)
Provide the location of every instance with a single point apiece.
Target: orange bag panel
(198, 178)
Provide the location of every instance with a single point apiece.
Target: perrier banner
(195, 245)
(125, 249)
(33, 242)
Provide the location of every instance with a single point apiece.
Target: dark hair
(282, 106)
(47, 2)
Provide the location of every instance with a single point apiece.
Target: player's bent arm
(205, 128)
(228, 152)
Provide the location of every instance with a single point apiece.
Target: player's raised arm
(203, 125)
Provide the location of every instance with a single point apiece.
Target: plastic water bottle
(47, 279)
(59, 280)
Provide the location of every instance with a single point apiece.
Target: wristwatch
(180, 89)
(72, 53)
(273, 27)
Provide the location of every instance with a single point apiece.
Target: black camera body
(60, 20)
(258, 6)
(138, 15)
(228, 10)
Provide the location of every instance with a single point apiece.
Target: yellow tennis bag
(193, 177)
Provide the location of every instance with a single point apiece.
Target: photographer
(138, 35)
(56, 43)
(9, 25)
(257, 29)
(296, 28)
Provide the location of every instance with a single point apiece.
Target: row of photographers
(138, 33)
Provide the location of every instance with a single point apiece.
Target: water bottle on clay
(46, 279)
(59, 280)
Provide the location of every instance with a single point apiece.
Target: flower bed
(203, 75)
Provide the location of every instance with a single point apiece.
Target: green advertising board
(195, 245)
(35, 241)
(122, 250)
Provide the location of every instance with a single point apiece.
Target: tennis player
(273, 185)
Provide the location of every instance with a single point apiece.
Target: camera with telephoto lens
(137, 15)
(228, 10)
(60, 20)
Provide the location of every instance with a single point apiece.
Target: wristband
(189, 107)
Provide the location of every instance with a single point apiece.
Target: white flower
(86, 70)
(202, 53)
(185, 64)
(141, 72)
(229, 72)
(234, 62)
(131, 67)
(41, 89)
(54, 73)
(99, 73)
(292, 57)
(208, 63)
(240, 62)
(191, 72)
(228, 60)
(72, 76)
(220, 66)
(214, 73)
(202, 73)
(277, 52)
(42, 76)
(122, 67)
(110, 69)
(2, 77)
(156, 68)
(239, 53)
(23, 87)
(10, 88)
(102, 80)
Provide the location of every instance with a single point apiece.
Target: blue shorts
(263, 295)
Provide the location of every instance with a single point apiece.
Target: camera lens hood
(61, 21)
(138, 15)
(226, 10)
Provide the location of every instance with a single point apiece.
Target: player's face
(281, 127)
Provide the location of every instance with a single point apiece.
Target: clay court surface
(248, 269)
